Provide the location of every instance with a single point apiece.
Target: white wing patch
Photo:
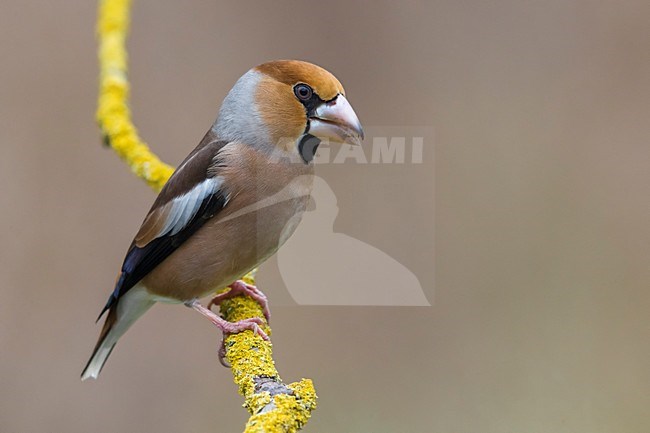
(183, 208)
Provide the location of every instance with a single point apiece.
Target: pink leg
(230, 327)
(226, 327)
(241, 288)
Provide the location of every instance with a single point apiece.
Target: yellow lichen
(250, 356)
(290, 412)
(113, 112)
(245, 368)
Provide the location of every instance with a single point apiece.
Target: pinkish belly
(223, 250)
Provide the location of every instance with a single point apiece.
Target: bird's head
(288, 105)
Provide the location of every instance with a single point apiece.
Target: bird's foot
(253, 324)
(241, 288)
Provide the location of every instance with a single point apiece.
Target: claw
(241, 288)
(253, 324)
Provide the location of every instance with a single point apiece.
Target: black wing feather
(140, 261)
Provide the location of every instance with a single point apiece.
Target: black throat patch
(307, 147)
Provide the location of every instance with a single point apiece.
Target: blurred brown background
(542, 209)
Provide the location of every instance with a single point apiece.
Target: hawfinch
(233, 201)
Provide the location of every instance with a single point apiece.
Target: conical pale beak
(337, 122)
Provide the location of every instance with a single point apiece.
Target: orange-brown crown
(292, 72)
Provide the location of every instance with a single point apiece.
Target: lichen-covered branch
(113, 112)
(274, 406)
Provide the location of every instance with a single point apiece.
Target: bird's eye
(303, 92)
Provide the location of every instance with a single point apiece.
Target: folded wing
(193, 195)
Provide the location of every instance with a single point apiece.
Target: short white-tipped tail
(98, 359)
(120, 318)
